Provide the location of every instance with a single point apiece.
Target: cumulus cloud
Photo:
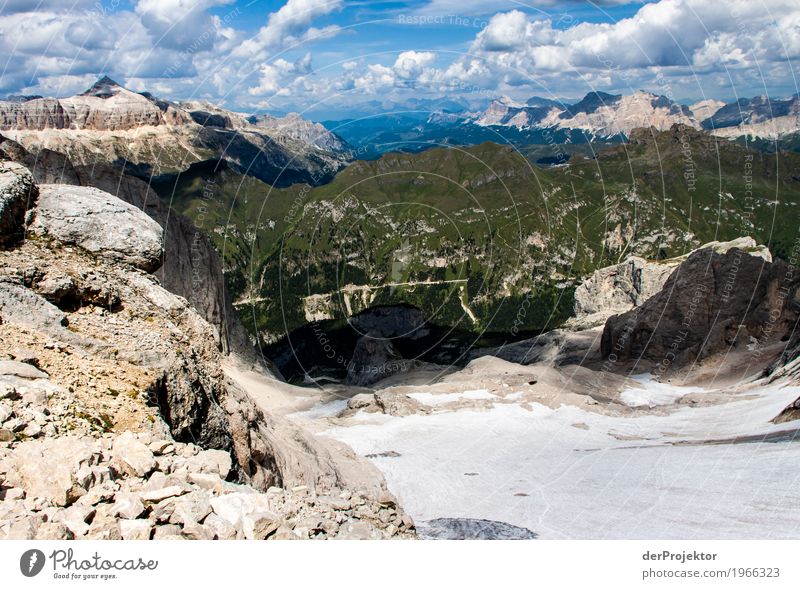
(179, 24)
(290, 24)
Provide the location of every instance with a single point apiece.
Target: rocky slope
(149, 136)
(94, 349)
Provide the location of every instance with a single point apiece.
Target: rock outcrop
(98, 222)
(375, 356)
(622, 287)
(713, 302)
(16, 195)
(190, 266)
(616, 289)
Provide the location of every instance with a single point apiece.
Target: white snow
(620, 478)
(328, 409)
(433, 399)
(653, 393)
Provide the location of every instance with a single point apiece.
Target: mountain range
(149, 136)
(599, 118)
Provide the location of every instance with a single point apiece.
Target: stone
(337, 503)
(210, 482)
(386, 498)
(234, 506)
(191, 508)
(162, 511)
(32, 430)
(361, 401)
(21, 370)
(24, 528)
(221, 528)
(77, 519)
(9, 392)
(97, 494)
(285, 533)
(54, 531)
(47, 467)
(194, 531)
(398, 404)
(158, 495)
(127, 506)
(215, 462)
(357, 530)
(6, 435)
(168, 532)
(22, 306)
(132, 455)
(135, 529)
(5, 412)
(35, 397)
(98, 222)
(260, 525)
(13, 494)
(161, 447)
(104, 527)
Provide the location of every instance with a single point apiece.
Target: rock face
(616, 289)
(620, 288)
(16, 195)
(598, 113)
(98, 222)
(375, 357)
(106, 106)
(711, 303)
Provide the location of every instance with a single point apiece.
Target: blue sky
(319, 56)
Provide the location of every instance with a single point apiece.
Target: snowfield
(570, 473)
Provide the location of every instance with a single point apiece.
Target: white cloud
(290, 24)
(180, 24)
(667, 34)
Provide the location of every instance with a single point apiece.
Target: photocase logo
(31, 562)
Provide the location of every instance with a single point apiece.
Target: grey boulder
(98, 222)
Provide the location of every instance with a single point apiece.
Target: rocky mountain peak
(105, 87)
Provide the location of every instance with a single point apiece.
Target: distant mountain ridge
(604, 115)
(149, 136)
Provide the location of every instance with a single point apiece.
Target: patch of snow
(433, 400)
(653, 393)
(329, 409)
